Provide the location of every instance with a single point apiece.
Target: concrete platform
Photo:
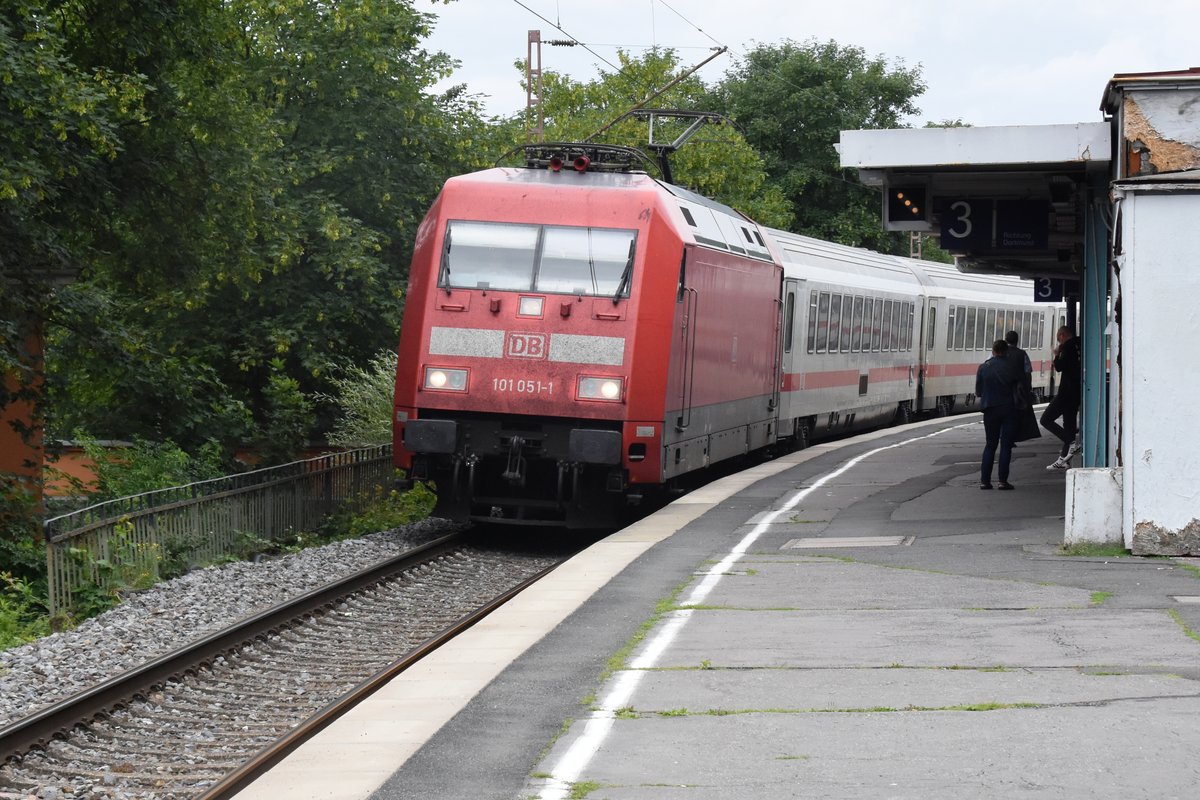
(857, 620)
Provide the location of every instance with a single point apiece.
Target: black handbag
(1027, 425)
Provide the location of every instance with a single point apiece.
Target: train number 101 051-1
(522, 386)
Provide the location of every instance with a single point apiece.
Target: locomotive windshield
(540, 258)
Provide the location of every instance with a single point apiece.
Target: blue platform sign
(1022, 225)
(993, 226)
(966, 225)
(1049, 290)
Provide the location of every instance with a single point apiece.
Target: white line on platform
(580, 753)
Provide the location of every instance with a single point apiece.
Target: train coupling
(514, 470)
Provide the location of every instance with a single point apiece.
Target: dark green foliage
(286, 418)
(21, 553)
(236, 186)
(792, 100)
(385, 510)
(22, 612)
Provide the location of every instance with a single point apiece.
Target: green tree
(792, 100)
(721, 164)
(60, 127)
(259, 222)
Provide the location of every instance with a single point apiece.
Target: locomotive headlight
(447, 380)
(610, 389)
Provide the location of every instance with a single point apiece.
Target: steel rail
(271, 755)
(39, 728)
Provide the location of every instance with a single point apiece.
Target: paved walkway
(857, 620)
(886, 629)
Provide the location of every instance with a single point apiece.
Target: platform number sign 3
(966, 225)
(960, 225)
(1047, 290)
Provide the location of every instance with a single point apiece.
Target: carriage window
(868, 315)
(950, 328)
(823, 322)
(898, 325)
(971, 337)
(1026, 328)
(548, 258)
(847, 323)
(888, 309)
(812, 322)
(906, 331)
(1041, 334)
(960, 328)
(856, 324)
(789, 321)
(989, 324)
(932, 327)
(981, 331)
(877, 325)
(835, 322)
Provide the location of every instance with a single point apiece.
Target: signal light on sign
(906, 206)
(908, 202)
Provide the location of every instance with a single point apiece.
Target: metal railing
(124, 541)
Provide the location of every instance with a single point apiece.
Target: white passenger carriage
(870, 338)
(965, 314)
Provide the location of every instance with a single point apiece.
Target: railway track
(205, 720)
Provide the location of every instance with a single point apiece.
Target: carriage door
(687, 298)
(933, 314)
(793, 316)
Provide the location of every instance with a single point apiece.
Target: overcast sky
(987, 62)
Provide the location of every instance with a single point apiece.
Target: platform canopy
(1008, 199)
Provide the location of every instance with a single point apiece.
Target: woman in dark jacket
(994, 388)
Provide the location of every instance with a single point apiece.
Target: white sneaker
(1060, 463)
(1074, 448)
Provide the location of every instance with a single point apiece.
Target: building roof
(1145, 80)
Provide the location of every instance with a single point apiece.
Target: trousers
(1065, 405)
(999, 427)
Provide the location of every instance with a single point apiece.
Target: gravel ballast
(155, 621)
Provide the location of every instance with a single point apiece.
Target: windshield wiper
(625, 276)
(444, 274)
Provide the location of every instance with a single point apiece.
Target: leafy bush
(380, 509)
(393, 510)
(146, 466)
(22, 612)
(127, 565)
(364, 397)
(21, 551)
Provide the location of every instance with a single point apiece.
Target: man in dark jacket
(1066, 403)
(994, 387)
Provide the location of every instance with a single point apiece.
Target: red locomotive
(578, 333)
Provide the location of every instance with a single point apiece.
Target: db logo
(525, 345)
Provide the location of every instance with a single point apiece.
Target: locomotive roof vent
(581, 156)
